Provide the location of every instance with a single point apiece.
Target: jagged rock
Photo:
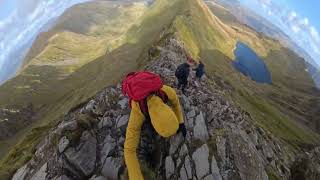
(123, 121)
(175, 142)
(109, 146)
(41, 174)
(111, 168)
(200, 129)
(201, 161)
(123, 103)
(105, 122)
(63, 177)
(21, 173)
(63, 144)
(215, 169)
(185, 102)
(307, 166)
(209, 177)
(188, 166)
(67, 126)
(183, 174)
(191, 114)
(246, 159)
(83, 157)
(169, 165)
(90, 108)
(98, 178)
(183, 150)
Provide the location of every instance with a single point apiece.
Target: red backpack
(138, 86)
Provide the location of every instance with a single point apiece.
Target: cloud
(297, 27)
(314, 33)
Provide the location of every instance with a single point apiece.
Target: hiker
(182, 74)
(148, 101)
(200, 70)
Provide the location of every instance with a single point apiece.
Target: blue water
(250, 64)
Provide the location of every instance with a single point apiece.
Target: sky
(300, 20)
(20, 23)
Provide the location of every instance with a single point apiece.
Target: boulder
(21, 173)
(170, 167)
(215, 169)
(63, 144)
(123, 121)
(246, 159)
(200, 129)
(83, 157)
(63, 177)
(41, 174)
(123, 103)
(201, 161)
(111, 168)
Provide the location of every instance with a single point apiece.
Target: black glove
(183, 130)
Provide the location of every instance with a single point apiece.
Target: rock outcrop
(222, 141)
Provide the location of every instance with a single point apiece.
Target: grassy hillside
(53, 82)
(60, 95)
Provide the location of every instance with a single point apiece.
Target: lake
(250, 64)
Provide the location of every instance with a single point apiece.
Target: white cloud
(314, 33)
(295, 28)
(298, 28)
(292, 16)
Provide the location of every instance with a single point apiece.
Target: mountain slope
(204, 36)
(221, 143)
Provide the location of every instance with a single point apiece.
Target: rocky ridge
(222, 141)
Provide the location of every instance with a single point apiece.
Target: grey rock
(111, 168)
(246, 159)
(221, 149)
(183, 174)
(200, 129)
(169, 165)
(183, 150)
(63, 177)
(175, 142)
(63, 144)
(108, 147)
(41, 174)
(21, 173)
(185, 102)
(209, 177)
(191, 114)
(68, 126)
(123, 121)
(84, 156)
(215, 169)
(201, 161)
(105, 122)
(123, 103)
(90, 107)
(98, 178)
(188, 166)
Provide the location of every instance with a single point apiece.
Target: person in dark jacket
(200, 70)
(182, 74)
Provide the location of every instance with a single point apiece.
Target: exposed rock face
(221, 142)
